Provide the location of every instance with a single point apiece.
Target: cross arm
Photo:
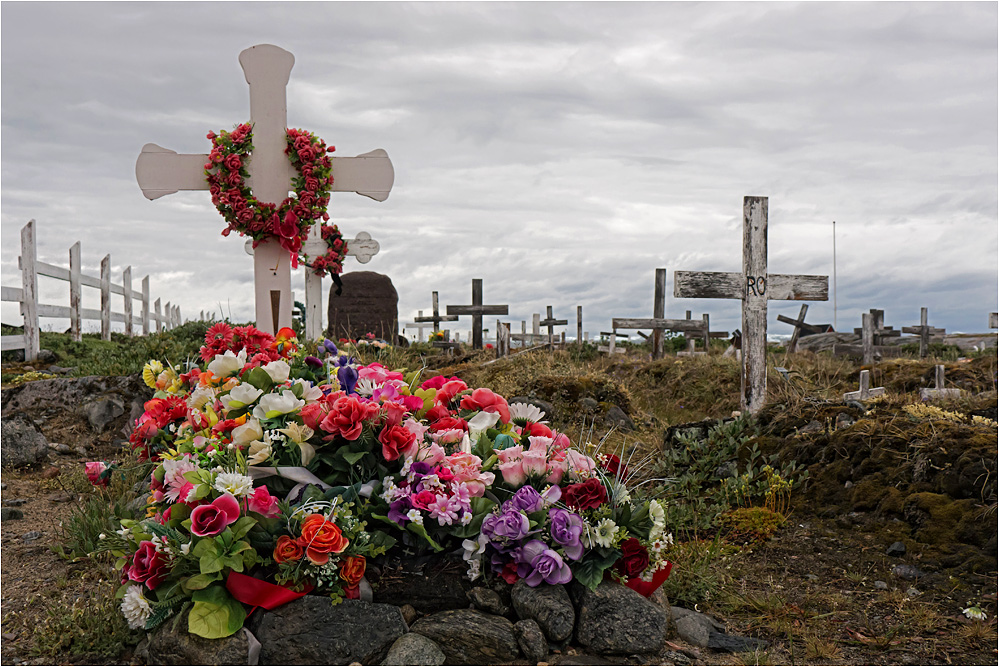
(724, 285)
(438, 318)
(808, 328)
(478, 310)
(657, 323)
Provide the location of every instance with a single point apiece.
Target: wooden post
(167, 317)
(867, 338)
(658, 312)
(536, 324)
(106, 298)
(437, 317)
(925, 332)
(145, 307)
(75, 323)
(865, 389)
(792, 346)
(126, 283)
(550, 322)
(579, 324)
(993, 320)
(29, 291)
(477, 310)
(158, 317)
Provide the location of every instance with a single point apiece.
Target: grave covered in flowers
(286, 470)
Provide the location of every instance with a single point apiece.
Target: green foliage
(698, 575)
(215, 613)
(752, 524)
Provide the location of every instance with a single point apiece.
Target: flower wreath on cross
(289, 222)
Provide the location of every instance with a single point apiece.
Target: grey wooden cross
(873, 332)
(707, 334)
(938, 390)
(754, 286)
(866, 391)
(419, 326)
(437, 317)
(799, 327)
(160, 171)
(551, 323)
(924, 331)
(477, 310)
(658, 322)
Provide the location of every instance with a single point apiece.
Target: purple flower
(347, 377)
(398, 509)
(526, 500)
(420, 468)
(566, 530)
(538, 563)
(315, 362)
(502, 529)
(330, 346)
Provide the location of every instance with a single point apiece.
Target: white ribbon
(303, 477)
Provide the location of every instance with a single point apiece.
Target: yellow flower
(150, 372)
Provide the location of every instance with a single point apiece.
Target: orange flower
(287, 549)
(352, 570)
(320, 538)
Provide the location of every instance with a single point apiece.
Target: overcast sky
(560, 152)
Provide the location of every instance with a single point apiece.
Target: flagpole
(834, 276)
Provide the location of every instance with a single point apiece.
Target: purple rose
(526, 500)
(502, 529)
(315, 362)
(398, 509)
(566, 530)
(539, 563)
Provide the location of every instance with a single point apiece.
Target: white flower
(310, 392)
(603, 534)
(365, 387)
(480, 423)
(248, 432)
(278, 370)
(658, 517)
(975, 613)
(185, 548)
(240, 396)
(415, 516)
(474, 548)
(234, 483)
(259, 452)
(101, 536)
(474, 570)
(200, 396)
(526, 412)
(226, 364)
(272, 405)
(135, 608)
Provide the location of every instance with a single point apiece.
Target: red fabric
(647, 588)
(259, 593)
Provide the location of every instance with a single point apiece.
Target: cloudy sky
(561, 152)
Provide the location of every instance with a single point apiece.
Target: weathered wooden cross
(924, 331)
(658, 322)
(611, 347)
(754, 286)
(419, 326)
(938, 391)
(161, 171)
(707, 334)
(551, 323)
(477, 310)
(866, 391)
(437, 317)
(799, 327)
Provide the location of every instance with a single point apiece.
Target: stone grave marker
(369, 304)
(160, 171)
(866, 391)
(477, 310)
(939, 390)
(755, 286)
(924, 331)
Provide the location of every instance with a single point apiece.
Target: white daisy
(604, 532)
(234, 483)
(521, 413)
(135, 608)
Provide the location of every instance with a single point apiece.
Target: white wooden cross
(938, 391)
(866, 391)
(418, 325)
(754, 286)
(161, 171)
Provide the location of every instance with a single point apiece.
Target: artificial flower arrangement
(281, 472)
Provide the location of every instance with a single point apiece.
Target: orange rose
(287, 549)
(320, 538)
(352, 570)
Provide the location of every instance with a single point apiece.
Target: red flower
(346, 417)
(397, 440)
(634, 559)
(613, 464)
(586, 495)
(287, 549)
(352, 570)
(149, 567)
(487, 401)
(449, 390)
(320, 538)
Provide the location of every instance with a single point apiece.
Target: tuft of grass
(820, 648)
(699, 575)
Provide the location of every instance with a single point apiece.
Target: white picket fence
(32, 310)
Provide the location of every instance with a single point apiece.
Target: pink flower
(262, 502)
(208, 520)
(94, 470)
(431, 455)
(467, 468)
(346, 417)
(511, 465)
(487, 401)
(423, 500)
(149, 567)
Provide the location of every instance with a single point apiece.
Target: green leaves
(419, 530)
(259, 378)
(590, 570)
(215, 613)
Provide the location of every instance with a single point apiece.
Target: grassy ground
(783, 555)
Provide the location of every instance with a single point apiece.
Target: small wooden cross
(477, 310)
(924, 331)
(551, 323)
(707, 334)
(160, 171)
(799, 327)
(437, 317)
(419, 326)
(939, 391)
(658, 322)
(866, 391)
(873, 332)
(754, 286)
(611, 348)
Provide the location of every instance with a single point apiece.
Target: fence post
(106, 298)
(75, 327)
(145, 306)
(157, 318)
(167, 317)
(29, 291)
(126, 283)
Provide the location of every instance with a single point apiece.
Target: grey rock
(82, 450)
(46, 356)
(677, 658)
(897, 549)
(428, 592)
(15, 502)
(676, 613)
(589, 405)
(414, 649)
(59, 393)
(408, 613)
(102, 411)
(812, 577)
(913, 592)
(616, 620)
(531, 640)
(692, 631)
(10, 514)
(848, 484)
(733, 643)
(172, 644)
(21, 443)
(881, 585)
(620, 418)
(549, 605)
(470, 637)
(813, 426)
(60, 448)
(488, 600)
(31, 536)
(843, 420)
(729, 469)
(60, 370)
(907, 572)
(313, 631)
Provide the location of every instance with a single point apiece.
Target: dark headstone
(368, 304)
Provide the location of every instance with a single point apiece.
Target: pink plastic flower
(94, 470)
(208, 520)
(262, 502)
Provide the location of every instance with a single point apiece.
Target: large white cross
(754, 286)
(161, 171)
